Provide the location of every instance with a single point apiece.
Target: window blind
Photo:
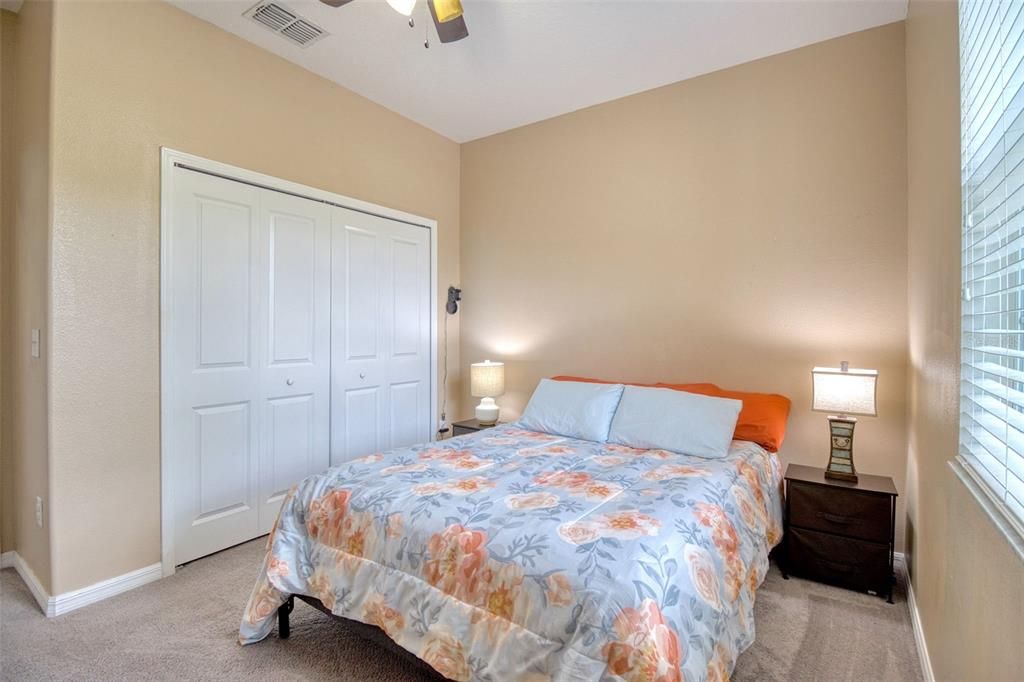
(992, 168)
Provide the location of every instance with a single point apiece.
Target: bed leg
(283, 626)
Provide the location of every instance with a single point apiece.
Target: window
(992, 165)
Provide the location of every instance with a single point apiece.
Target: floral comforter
(514, 555)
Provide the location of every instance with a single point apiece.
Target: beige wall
(739, 228)
(6, 101)
(128, 78)
(968, 583)
(26, 214)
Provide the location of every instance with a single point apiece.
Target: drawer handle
(836, 518)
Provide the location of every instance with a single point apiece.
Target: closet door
(297, 334)
(248, 387)
(295, 382)
(214, 344)
(380, 367)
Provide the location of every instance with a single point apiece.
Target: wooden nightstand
(839, 532)
(469, 426)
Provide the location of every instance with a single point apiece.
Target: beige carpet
(184, 627)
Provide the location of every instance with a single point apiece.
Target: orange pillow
(762, 418)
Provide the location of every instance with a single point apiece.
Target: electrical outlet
(39, 511)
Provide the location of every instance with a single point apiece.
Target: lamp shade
(487, 379)
(846, 391)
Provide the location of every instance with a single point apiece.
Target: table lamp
(844, 392)
(487, 381)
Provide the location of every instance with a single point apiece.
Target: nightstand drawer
(844, 512)
(838, 560)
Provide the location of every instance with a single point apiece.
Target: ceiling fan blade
(447, 31)
(335, 3)
(446, 10)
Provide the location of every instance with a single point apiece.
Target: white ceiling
(528, 60)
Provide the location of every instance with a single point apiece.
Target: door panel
(362, 408)
(406, 421)
(293, 244)
(291, 442)
(361, 310)
(223, 452)
(212, 380)
(224, 249)
(408, 297)
(295, 386)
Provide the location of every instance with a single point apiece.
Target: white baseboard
(28, 576)
(75, 599)
(915, 621)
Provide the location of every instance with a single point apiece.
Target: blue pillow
(571, 408)
(663, 419)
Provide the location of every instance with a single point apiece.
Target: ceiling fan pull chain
(426, 27)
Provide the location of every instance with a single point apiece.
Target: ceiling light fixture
(403, 7)
(447, 16)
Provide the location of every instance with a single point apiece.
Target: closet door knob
(289, 381)
(362, 375)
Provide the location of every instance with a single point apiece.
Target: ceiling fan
(447, 16)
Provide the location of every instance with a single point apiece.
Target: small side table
(469, 426)
(840, 532)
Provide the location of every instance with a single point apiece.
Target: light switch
(35, 343)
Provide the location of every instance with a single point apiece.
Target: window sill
(993, 507)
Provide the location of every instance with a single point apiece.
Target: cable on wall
(451, 307)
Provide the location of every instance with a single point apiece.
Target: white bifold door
(380, 391)
(298, 336)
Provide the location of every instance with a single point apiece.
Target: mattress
(511, 554)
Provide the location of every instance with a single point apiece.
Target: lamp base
(840, 460)
(487, 412)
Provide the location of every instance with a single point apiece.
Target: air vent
(302, 32)
(286, 23)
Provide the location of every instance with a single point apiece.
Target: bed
(512, 554)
